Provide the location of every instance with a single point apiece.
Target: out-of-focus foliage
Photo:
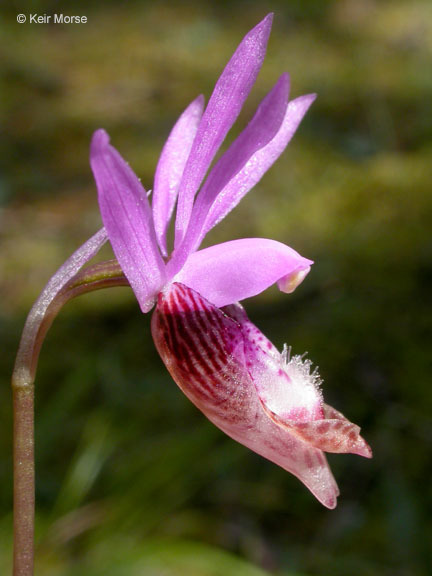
(131, 479)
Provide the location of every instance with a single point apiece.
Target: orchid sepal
(169, 170)
(128, 220)
(224, 106)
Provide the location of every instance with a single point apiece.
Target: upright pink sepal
(259, 132)
(225, 104)
(258, 164)
(170, 168)
(128, 220)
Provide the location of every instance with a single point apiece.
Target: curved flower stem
(65, 285)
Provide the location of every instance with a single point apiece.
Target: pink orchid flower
(220, 360)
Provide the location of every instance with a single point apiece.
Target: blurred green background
(131, 478)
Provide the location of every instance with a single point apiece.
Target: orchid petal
(202, 348)
(239, 269)
(224, 106)
(170, 168)
(258, 164)
(128, 220)
(258, 133)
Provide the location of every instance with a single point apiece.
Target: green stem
(99, 276)
(24, 477)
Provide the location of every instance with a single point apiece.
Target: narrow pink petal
(170, 168)
(224, 106)
(239, 269)
(202, 348)
(258, 164)
(259, 132)
(128, 220)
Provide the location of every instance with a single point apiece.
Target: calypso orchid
(267, 401)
